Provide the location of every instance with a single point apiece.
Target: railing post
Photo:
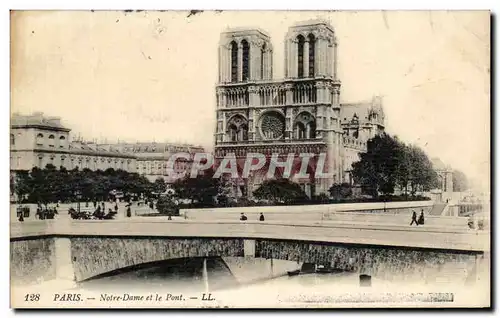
(205, 275)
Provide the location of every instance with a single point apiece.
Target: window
(300, 56)
(262, 61)
(52, 141)
(246, 60)
(39, 139)
(234, 62)
(62, 141)
(312, 49)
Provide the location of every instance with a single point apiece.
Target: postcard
(250, 159)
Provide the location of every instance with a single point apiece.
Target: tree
(377, 170)
(20, 184)
(167, 205)
(460, 182)
(159, 186)
(202, 190)
(389, 163)
(280, 191)
(340, 191)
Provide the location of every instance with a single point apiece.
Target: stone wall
(393, 264)
(32, 261)
(94, 256)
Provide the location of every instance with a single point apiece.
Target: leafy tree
(20, 184)
(377, 170)
(389, 163)
(51, 184)
(460, 182)
(159, 186)
(167, 205)
(202, 189)
(340, 191)
(280, 191)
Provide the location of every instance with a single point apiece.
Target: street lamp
(78, 197)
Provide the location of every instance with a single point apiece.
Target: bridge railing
(311, 210)
(421, 237)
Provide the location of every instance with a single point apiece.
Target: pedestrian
(129, 212)
(21, 218)
(414, 218)
(261, 218)
(421, 220)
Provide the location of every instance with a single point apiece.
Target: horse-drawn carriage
(24, 211)
(88, 215)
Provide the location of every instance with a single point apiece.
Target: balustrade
(272, 94)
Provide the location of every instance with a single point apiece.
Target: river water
(194, 281)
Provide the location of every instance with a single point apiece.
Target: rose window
(272, 125)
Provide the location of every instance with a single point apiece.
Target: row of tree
(54, 185)
(389, 165)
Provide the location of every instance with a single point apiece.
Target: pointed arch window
(312, 51)
(262, 60)
(246, 60)
(234, 62)
(300, 56)
(300, 131)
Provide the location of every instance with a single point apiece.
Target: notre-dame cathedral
(300, 113)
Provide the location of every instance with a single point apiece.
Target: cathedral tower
(295, 115)
(245, 55)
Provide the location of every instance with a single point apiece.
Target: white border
(186, 5)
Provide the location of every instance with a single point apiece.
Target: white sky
(151, 75)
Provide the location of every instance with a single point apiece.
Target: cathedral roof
(362, 111)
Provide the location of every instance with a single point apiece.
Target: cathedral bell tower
(244, 56)
(311, 59)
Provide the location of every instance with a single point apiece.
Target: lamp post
(78, 197)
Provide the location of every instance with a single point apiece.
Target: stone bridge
(80, 250)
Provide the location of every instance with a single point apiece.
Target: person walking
(421, 219)
(414, 218)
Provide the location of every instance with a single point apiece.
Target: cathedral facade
(300, 113)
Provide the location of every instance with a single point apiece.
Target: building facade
(37, 140)
(152, 158)
(300, 113)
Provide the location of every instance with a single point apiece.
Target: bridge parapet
(372, 234)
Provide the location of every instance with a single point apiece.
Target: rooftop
(38, 120)
(313, 22)
(245, 31)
